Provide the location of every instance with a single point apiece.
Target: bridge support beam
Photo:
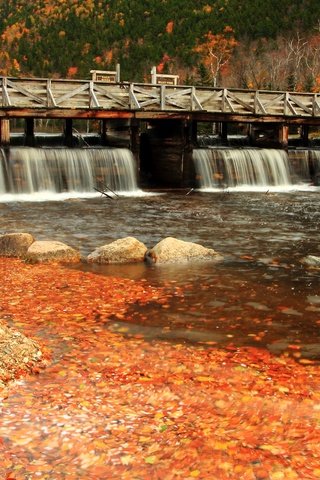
(68, 136)
(223, 131)
(166, 154)
(29, 139)
(103, 132)
(283, 136)
(135, 140)
(4, 132)
(304, 133)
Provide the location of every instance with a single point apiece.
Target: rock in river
(124, 250)
(172, 250)
(15, 244)
(51, 251)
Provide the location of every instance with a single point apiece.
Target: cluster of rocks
(24, 245)
(125, 250)
(18, 354)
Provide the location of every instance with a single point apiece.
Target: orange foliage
(316, 87)
(8, 66)
(169, 27)
(207, 9)
(13, 33)
(72, 71)
(108, 56)
(162, 64)
(314, 41)
(216, 50)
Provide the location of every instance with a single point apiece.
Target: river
(261, 294)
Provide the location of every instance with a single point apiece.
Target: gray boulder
(172, 250)
(52, 251)
(124, 250)
(15, 244)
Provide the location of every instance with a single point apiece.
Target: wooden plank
(226, 101)
(306, 109)
(205, 97)
(288, 104)
(5, 95)
(93, 99)
(147, 103)
(50, 98)
(195, 100)
(72, 93)
(276, 100)
(240, 102)
(133, 99)
(13, 86)
(162, 97)
(258, 105)
(114, 98)
(315, 105)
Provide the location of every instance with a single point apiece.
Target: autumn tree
(313, 62)
(216, 51)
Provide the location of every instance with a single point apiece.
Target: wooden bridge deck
(51, 98)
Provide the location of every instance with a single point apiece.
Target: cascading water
(315, 166)
(33, 173)
(2, 163)
(249, 169)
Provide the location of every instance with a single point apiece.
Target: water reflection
(260, 294)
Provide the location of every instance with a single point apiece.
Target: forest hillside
(264, 44)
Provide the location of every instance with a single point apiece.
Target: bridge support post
(283, 136)
(103, 132)
(29, 139)
(166, 154)
(224, 132)
(304, 135)
(135, 141)
(68, 137)
(189, 141)
(4, 132)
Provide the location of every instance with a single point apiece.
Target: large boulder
(172, 250)
(52, 251)
(124, 250)
(15, 244)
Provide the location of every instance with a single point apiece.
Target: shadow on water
(261, 294)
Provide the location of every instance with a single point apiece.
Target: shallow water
(261, 294)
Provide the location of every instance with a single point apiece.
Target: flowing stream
(261, 293)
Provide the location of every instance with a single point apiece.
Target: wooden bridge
(171, 113)
(50, 98)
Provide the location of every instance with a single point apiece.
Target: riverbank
(109, 405)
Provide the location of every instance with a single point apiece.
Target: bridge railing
(39, 93)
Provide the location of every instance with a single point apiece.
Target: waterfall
(2, 165)
(300, 165)
(36, 172)
(315, 166)
(250, 168)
